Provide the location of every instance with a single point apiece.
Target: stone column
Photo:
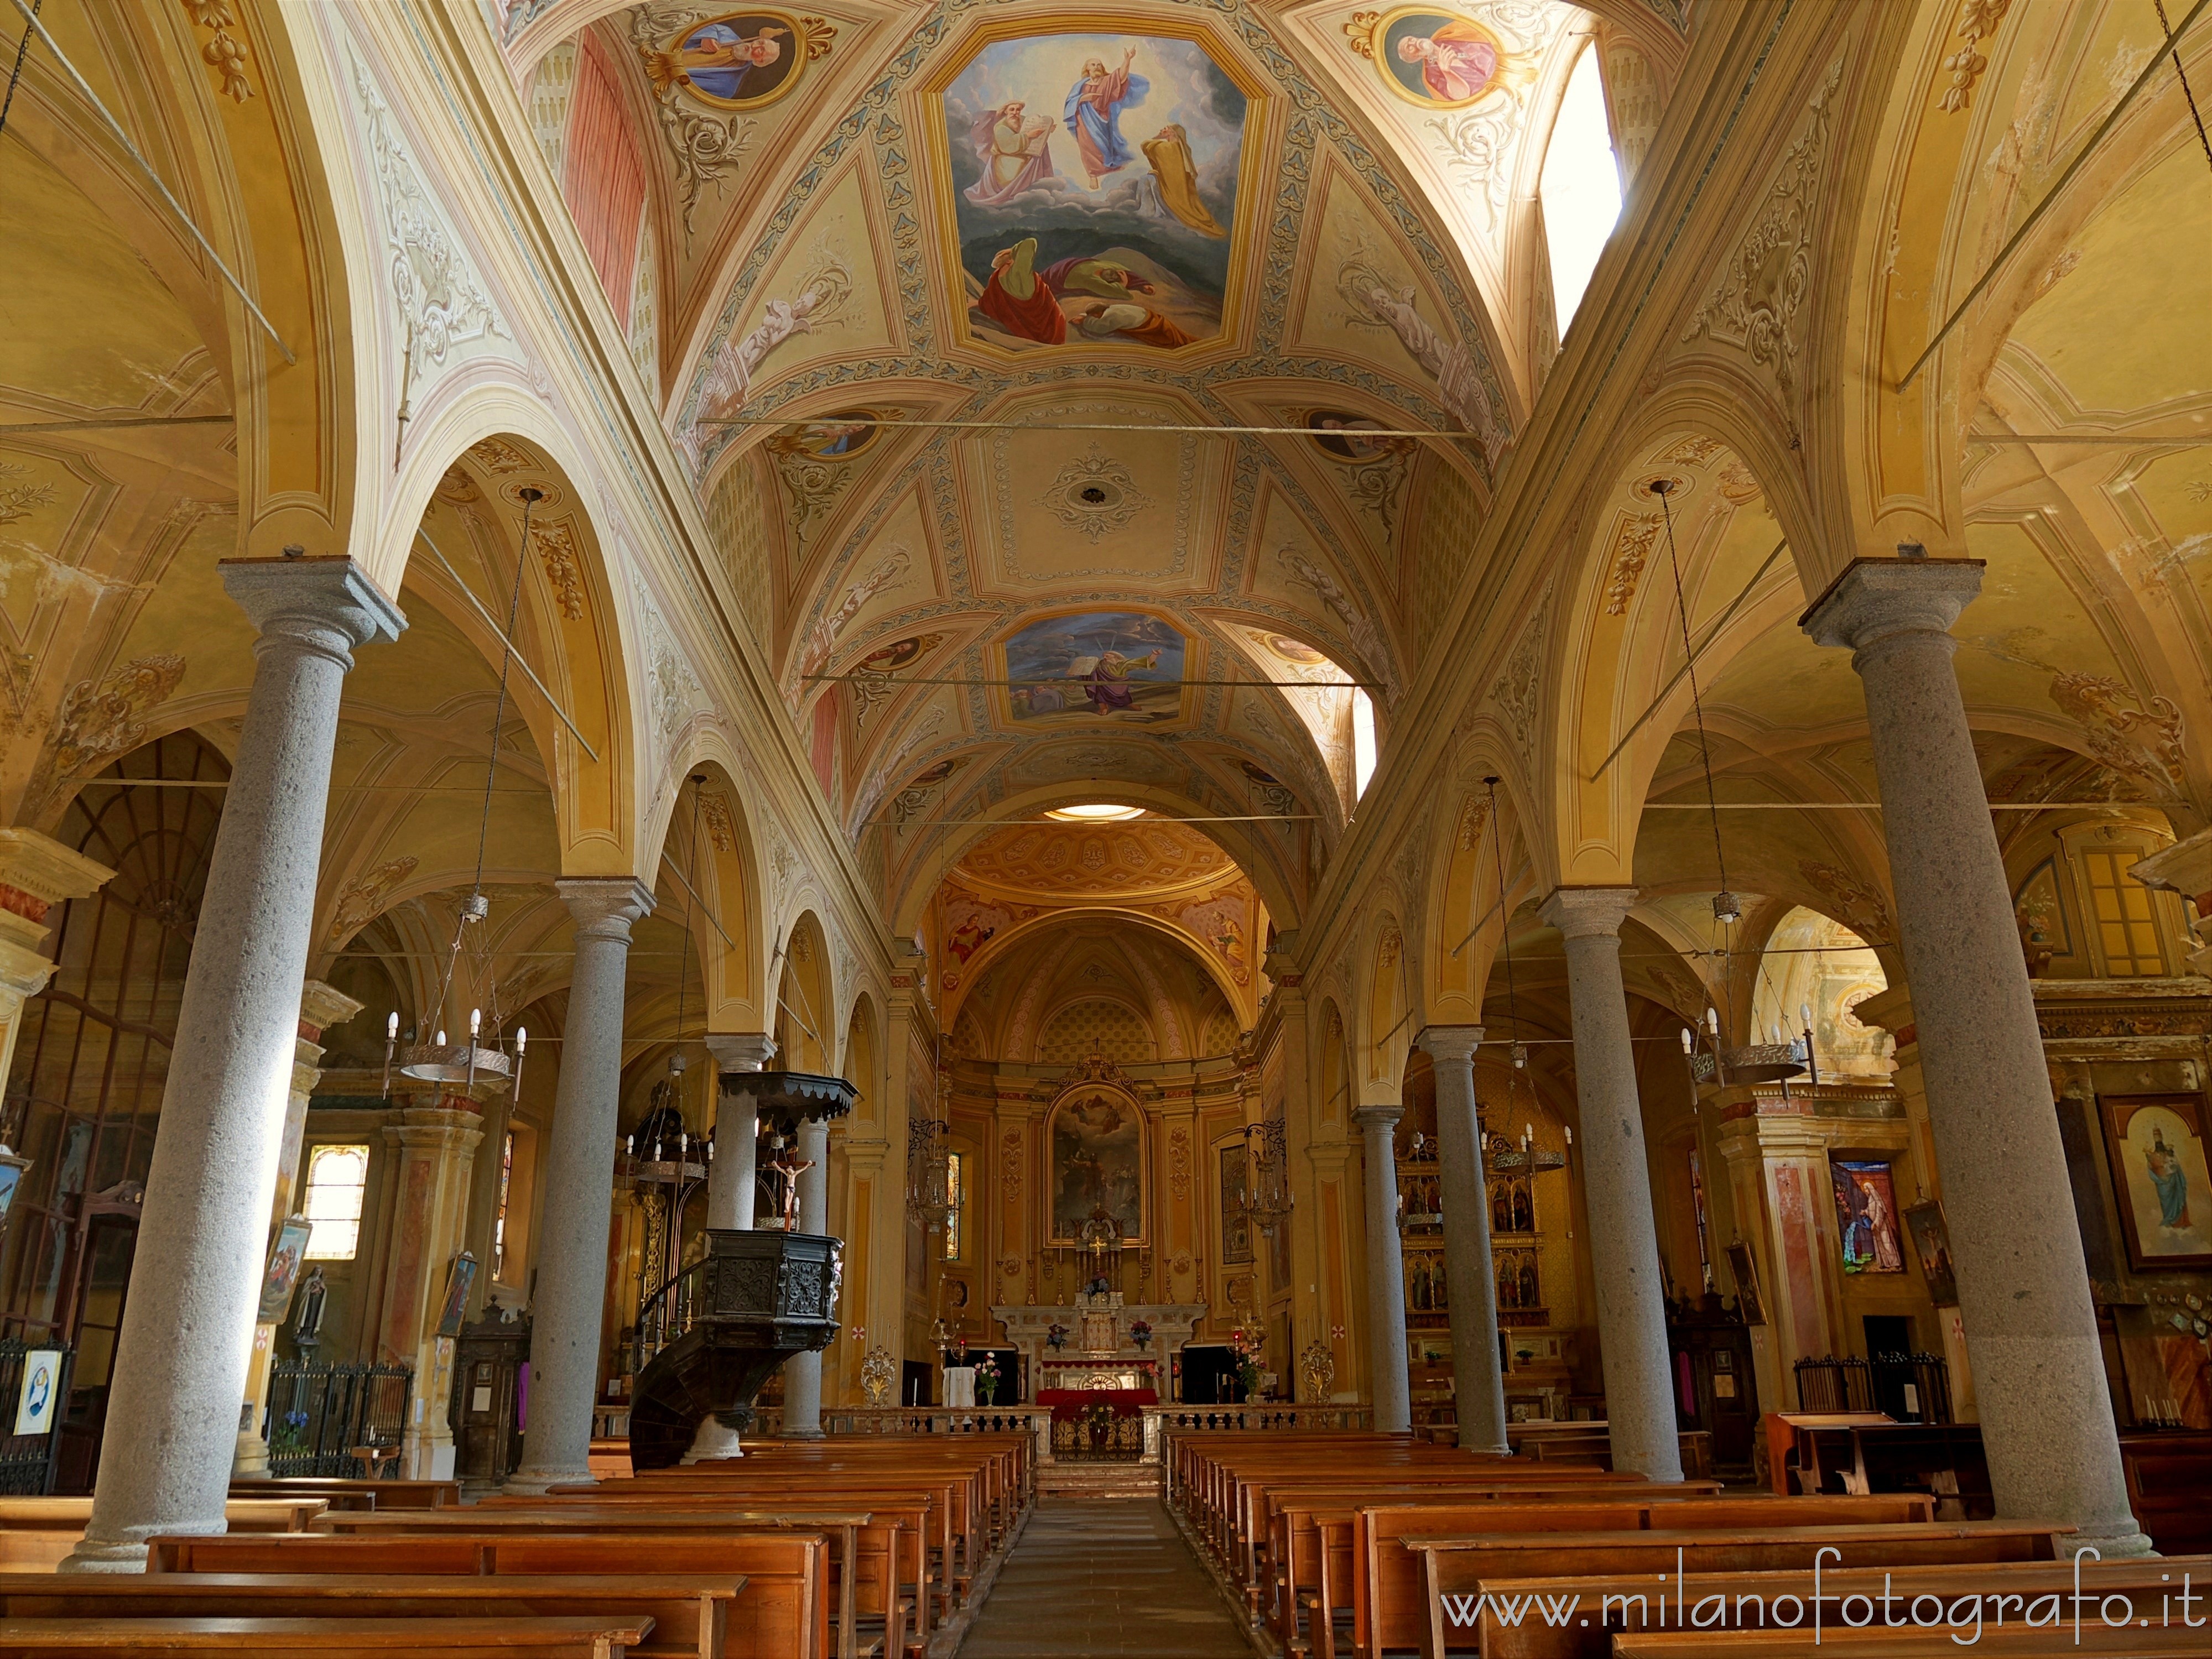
(180, 1362)
(36, 873)
(1386, 1271)
(1470, 1274)
(571, 1257)
(1624, 1245)
(802, 1372)
(731, 1186)
(320, 1008)
(2023, 1287)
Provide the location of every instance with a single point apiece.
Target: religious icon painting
(1931, 1242)
(1866, 1216)
(1095, 179)
(2156, 1145)
(1098, 1141)
(1428, 58)
(1236, 1223)
(282, 1271)
(460, 1278)
(1745, 1270)
(739, 60)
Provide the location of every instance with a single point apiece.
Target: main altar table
(1072, 1404)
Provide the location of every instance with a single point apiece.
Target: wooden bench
(1389, 1609)
(2153, 1643)
(38, 1534)
(867, 1550)
(342, 1494)
(687, 1616)
(784, 1613)
(1506, 1618)
(323, 1638)
(1454, 1565)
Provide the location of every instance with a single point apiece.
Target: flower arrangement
(987, 1378)
(1055, 1337)
(1140, 1332)
(1246, 1361)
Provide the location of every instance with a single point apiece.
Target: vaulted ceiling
(1000, 549)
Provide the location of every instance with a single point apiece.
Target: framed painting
(1748, 1301)
(1866, 1216)
(460, 1278)
(2155, 1147)
(739, 60)
(1098, 1141)
(1236, 1224)
(1931, 1242)
(282, 1271)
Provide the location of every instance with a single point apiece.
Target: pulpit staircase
(716, 1332)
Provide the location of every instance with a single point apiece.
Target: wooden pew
(2152, 1642)
(1597, 1608)
(38, 1534)
(1452, 1566)
(688, 1616)
(323, 1639)
(866, 1553)
(341, 1494)
(1385, 1570)
(784, 1613)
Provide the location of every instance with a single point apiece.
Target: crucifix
(790, 1167)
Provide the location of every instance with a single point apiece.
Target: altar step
(1100, 1481)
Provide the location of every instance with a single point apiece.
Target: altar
(1098, 1351)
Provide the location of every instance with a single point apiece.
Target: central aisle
(1092, 1577)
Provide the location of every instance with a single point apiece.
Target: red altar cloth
(1070, 1405)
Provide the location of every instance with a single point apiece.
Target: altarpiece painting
(1098, 1141)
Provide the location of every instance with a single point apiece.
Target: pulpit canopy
(785, 1099)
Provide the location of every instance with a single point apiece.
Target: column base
(713, 1442)
(2109, 1546)
(536, 1483)
(802, 1434)
(251, 1461)
(124, 1556)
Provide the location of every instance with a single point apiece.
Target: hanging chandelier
(930, 1197)
(1267, 1200)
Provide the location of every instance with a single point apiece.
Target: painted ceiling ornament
(704, 147)
(442, 303)
(1859, 906)
(821, 639)
(1518, 690)
(1428, 56)
(1094, 495)
(1755, 306)
(874, 678)
(1275, 794)
(1358, 627)
(364, 901)
(721, 828)
(2144, 741)
(1372, 300)
(811, 461)
(1372, 470)
(914, 797)
(1978, 20)
(1633, 538)
(823, 291)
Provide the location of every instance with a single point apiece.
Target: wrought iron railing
(669, 1311)
(344, 1421)
(28, 1461)
(1913, 1388)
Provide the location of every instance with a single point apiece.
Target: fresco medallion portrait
(738, 60)
(1095, 186)
(1428, 58)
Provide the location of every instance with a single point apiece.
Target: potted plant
(1140, 1332)
(986, 1379)
(1055, 1337)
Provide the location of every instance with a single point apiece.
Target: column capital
(740, 1051)
(322, 1006)
(604, 907)
(1588, 912)
(1380, 1114)
(1449, 1041)
(330, 593)
(1872, 600)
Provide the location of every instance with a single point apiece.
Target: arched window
(1362, 741)
(1580, 187)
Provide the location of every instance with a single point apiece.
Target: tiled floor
(1090, 1579)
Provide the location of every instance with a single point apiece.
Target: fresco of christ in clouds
(1095, 184)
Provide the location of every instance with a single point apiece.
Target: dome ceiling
(947, 320)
